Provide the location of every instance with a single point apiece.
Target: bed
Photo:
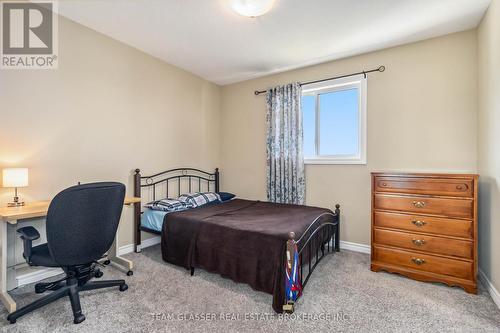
(244, 240)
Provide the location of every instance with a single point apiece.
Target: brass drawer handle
(418, 261)
(419, 223)
(418, 242)
(418, 204)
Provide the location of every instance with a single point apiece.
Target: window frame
(316, 89)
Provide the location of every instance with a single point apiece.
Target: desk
(9, 217)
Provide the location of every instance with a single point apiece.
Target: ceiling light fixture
(251, 8)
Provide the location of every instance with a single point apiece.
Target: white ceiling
(207, 38)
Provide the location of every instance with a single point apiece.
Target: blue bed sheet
(153, 219)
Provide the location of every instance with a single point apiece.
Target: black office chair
(81, 226)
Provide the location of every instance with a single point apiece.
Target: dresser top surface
(424, 174)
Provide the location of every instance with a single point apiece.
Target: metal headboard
(171, 183)
(181, 179)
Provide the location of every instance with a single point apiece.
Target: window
(334, 121)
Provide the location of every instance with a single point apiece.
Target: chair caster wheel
(130, 273)
(78, 319)
(98, 274)
(107, 262)
(123, 287)
(12, 321)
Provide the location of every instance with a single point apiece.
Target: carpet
(342, 295)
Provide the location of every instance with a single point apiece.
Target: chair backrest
(82, 222)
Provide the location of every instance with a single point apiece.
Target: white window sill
(334, 161)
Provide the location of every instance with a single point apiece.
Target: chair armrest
(28, 235)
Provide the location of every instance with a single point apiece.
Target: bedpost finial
(291, 235)
(337, 206)
(137, 170)
(216, 169)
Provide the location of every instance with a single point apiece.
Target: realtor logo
(29, 35)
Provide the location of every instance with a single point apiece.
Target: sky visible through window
(339, 119)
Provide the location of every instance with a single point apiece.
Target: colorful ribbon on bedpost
(293, 287)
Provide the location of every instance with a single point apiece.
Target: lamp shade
(15, 177)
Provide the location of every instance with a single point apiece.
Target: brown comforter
(242, 240)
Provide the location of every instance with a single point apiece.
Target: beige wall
(489, 143)
(107, 110)
(110, 108)
(422, 116)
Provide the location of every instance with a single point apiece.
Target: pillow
(169, 205)
(200, 198)
(225, 196)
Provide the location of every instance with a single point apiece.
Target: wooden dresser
(424, 226)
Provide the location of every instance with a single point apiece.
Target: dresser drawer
(424, 205)
(427, 224)
(424, 262)
(439, 245)
(423, 185)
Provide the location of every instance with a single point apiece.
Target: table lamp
(15, 177)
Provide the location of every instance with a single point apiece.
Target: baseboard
(125, 249)
(26, 275)
(157, 240)
(145, 243)
(31, 276)
(495, 295)
(41, 274)
(355, 247)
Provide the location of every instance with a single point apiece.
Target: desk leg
(8, 301)
(116, 260)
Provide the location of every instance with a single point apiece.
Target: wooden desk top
(38, 209)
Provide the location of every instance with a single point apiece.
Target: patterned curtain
(285, 162)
